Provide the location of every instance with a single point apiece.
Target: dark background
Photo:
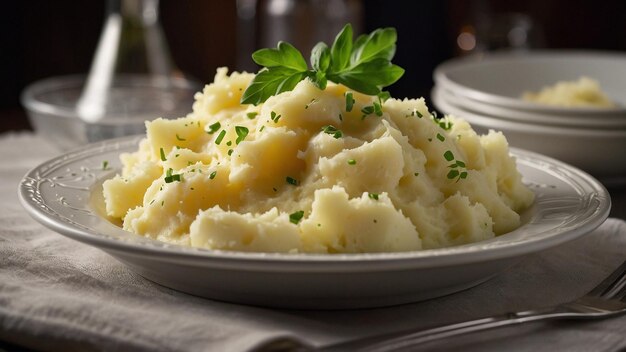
(40, 38)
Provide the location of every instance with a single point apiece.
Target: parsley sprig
(363, 65)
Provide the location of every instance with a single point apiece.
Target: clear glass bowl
(133, 99)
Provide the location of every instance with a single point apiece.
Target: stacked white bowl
(487, 91)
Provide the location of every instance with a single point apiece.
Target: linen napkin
(58, 294)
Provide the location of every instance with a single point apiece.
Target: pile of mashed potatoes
(301, 173)
(585, 92)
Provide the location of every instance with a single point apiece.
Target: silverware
(605, 300)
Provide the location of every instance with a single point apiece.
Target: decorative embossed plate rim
(569, 203)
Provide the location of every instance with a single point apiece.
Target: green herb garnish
(162, 154)
(441, 137)
(367, 110)
(332, 130)
(242, 132)
(363, 65)
(373, 196)
(457, 167)
(296, 217)
(169, 177)
(180, 138)
(351, 162)
(275, 117)
(220, 137)
(252, 115)
(445, 124)
(349, 101)
(378, 109)
(212, 175)
(292, 181)
(105, 164)
(214, 128)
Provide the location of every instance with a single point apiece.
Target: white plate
(63, 195)
(596, 151)
(607, 122)
(501, 79)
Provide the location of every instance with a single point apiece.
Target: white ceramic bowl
(501, 79)
(51, 107)
(600, 152)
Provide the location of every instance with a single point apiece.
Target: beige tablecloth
(58, 294)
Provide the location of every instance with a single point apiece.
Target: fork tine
(612, 285)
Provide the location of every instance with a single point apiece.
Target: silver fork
(605, 300)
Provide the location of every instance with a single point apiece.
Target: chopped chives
(220, 137)
(349, 101)
(332, 130)
(252, 115)
(351, 162)
(214, 128)
(373, 196)
(448, 155)
(180, 138)
(441, 137)
(212, 175)
(105, 164)
(162, 154)
(169, 177)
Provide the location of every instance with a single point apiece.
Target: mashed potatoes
(584, 92)
(304, 172)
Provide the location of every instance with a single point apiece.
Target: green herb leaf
(212, 175)
(285, 55)
(342, 49)
(105, 164)
(441, 137)
(363, 66)
(320, 57)
(367, 77)
(373, 196)
(242, 132)
(252, 115)
(381, 43)
(275, 117)
(452, 174)
(214, 128)
(378, 109)
(296, 217)
(448, 155)
(271, 81)
(332, 130)
(351, 162)
(367, 110)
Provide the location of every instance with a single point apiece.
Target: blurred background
(40, 39)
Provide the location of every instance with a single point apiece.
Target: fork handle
(403, 341)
